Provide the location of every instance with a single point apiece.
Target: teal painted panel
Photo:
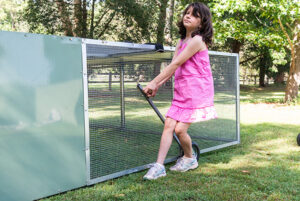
(41, 116)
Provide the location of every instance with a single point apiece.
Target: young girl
(193, 99)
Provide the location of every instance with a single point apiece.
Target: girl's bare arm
(193, 46)
(174, 56)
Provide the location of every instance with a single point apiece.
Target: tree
(10, 16)
(170, 19)
(273, 24)
(162, 4)
(237, 30)
(285, 15)
(126, 19)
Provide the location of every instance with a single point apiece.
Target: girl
(193, 99)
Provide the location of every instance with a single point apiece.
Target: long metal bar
(223, 53)
(146, 46)
(86, 110)
(122, 98)
(157, 112)
(124, 44)
(218, 147)
(129, 171)
(213, 138)
(237, 99)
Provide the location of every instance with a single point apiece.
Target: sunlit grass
(274, 93)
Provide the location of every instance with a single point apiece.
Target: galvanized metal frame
(125, 44)
(122, 99)
(125, 172)
(238, 98)
(150, 47)
(86, 111)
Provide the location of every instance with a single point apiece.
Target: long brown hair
(201, 11)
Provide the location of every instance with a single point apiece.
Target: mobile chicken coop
(71, 114)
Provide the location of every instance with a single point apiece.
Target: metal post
(237, 99)
(86, 110)
(122, 98)
(109, 81)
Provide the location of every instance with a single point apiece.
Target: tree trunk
(236, 46)
(13, 22)
(92, 20)
(292, 86)
(77, 18)
(84, 19)
(161, 21)
(262, 72)
(66, 22)
(160, 30)
(169, 37)
(279, 78)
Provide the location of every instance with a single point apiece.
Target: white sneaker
(184, 164)
(157, 170)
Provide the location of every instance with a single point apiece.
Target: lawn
(265, 166)
(270, 94)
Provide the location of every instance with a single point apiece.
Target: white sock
(160, 165)
(186, 158)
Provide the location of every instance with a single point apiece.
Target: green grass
(270, 94)
(265, 166)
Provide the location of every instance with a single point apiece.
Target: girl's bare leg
(166, 140)
(184, 138)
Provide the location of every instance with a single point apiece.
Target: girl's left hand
(151, 89)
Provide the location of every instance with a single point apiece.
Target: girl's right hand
(151, 89)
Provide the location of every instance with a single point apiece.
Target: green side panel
(41, 116)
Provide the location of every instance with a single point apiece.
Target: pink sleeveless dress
(193, 99)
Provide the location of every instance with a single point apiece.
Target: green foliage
(121, 20)
(255, 25)
(43, 17)
(135, 20)
(11, 16)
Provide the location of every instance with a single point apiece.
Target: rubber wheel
(196, 151)
(298, 139)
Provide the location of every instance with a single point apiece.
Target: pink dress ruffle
(186, 115)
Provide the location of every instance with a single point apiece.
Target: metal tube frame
(122, 98)
(86, 111)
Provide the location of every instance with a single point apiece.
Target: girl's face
(191, 22)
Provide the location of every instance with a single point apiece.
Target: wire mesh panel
(124, 131)
(209, 135)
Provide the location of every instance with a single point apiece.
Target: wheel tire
(181, 152)
(298, 139)
(195, 149)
